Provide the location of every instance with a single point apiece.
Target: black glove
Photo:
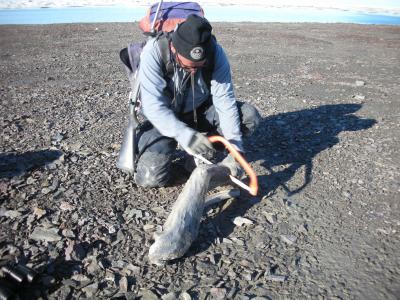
(233, 165)
(200, 145)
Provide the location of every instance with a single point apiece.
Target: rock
(218, 293)
(75, 146)
(359, 97)
(135, 269)
(71, 283)
(226, 241)
(214, 258)
(123, 284)
(271, 218)
(129, 213)
(45, 234)
(170, 296)
(148, 227)
(346, 194)
(120, 235)
(91, 289)
(240, 221)
(359, 83)
(65, 206)
(112, 229)
(185, 296)
(238, 241)
(93, 267)
(58, 137)
(68, 250)
(289, 239)
(248, 276)
(81, 278)
(275, 278)
(68, 233)
(12, 214)
(38, 212)
(30, 180)
(148, 295)
(46, 191)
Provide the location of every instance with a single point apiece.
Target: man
(182, 106)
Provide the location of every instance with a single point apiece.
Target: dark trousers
(156, 151)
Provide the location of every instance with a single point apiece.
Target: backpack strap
(163, 41)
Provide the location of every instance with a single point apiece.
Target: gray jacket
(157, 105)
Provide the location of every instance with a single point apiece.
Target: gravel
(324, 225)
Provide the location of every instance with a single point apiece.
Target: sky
(369, 5)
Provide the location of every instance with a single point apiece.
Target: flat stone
(360, 83)
(148, 295)
(70, 282)
(58, 137)
(12, 214)
(91, 289)
(359, 97)
(226, 241)
(30, 180)
(68, 233)
(185, 296)
(93, 267)
(271, 218)
(275, 278)
(346, 194)
(65, 206)
(169, 296)
(148, 227)
(240, 221)
(46, 191)
(289, 239)
(218, 293)
(80, 278)
(45, 234)
(38, 212)
(123, 284)
(75, 146)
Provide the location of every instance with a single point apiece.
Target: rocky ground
(326, 221)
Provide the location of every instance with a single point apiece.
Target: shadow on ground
(15, 164)
(288, 141)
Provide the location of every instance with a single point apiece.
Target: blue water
(213, 13)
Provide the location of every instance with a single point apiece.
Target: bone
(182, 225)
(221, 196)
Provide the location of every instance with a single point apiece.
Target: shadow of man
(287, 141)
(15, 164)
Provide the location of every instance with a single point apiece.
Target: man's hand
(200, 145)
(234, 166)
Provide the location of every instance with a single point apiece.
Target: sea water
(233, 13)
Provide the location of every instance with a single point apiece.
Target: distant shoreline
(234, 13)
(351, 9)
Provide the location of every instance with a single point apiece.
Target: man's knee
(250, 118)
(153, 170)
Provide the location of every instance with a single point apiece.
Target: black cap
(192, 38)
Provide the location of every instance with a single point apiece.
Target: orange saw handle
(253, 186)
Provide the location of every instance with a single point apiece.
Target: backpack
(169, 16)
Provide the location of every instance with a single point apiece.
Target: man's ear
(173, 49)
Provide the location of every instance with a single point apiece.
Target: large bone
(182, 225)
